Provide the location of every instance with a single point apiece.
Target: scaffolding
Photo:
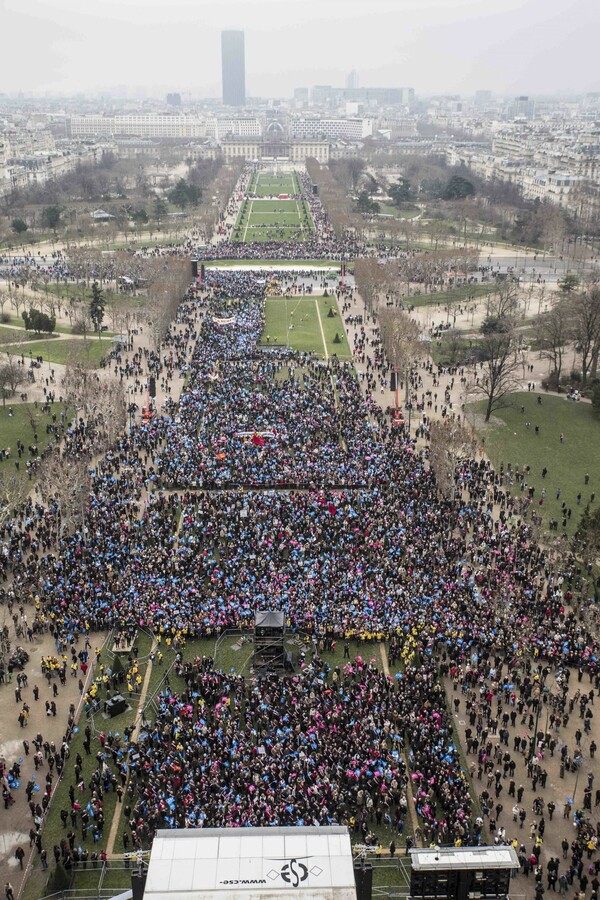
(270, 656)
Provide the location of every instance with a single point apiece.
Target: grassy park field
(88, 351)
(267, 184)
(509, 440)
(273, 220)
(303, 323)
(459, 294)
(21, 421)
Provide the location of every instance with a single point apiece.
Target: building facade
(259, 149)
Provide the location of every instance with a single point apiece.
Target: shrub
(550, 382)
(596, 397)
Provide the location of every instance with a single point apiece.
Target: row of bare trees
(392, 279)
(164, 294)
(573, 318)
(333, 198)
(216, 196)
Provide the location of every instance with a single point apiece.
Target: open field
(266, 184)
(273, 220)
(26, 421)
(10, 335)
(405, 212)
(89, 351)
(509, 440)
(303, 323)
(80, 292)
(458, 294)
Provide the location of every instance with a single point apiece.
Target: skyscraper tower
(233, 65)
(352, 80)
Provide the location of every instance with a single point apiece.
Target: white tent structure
(309, 863)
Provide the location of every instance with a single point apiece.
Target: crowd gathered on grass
(272, 484)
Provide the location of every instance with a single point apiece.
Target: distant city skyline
(438, 46)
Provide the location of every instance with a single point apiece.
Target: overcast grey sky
(435, 46)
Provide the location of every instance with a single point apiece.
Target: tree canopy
(400, 192)
(97, 304)
(458, 188)
(38, 321)
(185, 194)
(365, 204)
(19, 226)
(51, 216)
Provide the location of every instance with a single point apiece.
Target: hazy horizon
(435, 46)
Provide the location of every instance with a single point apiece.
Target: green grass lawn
(268, 185)
(453, 350)
(454, 295)
(303, 314)
(508, 440)
(77, 292)
(271, 220)
(89, 351)
(9, 335)
(406, 212)
(25, 421)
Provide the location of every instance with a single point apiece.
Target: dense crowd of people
(319, 242)
(273, 484)
(324, 747)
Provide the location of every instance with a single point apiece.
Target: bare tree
(101, 400)
(4, 298)
(585, 309)
(449, 442)
(164, 295)
(499, 369)
(11, 376)
(504, 302)
(586, 543)
(334, 198)
(400, 336)
(13, 492)
(371, 279)
(64, 486)
(554, 330)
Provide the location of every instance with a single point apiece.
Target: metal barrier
(101, 870)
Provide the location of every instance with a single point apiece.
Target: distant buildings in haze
(233, 67)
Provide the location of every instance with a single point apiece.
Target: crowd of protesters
(340, 526)
(325, 746)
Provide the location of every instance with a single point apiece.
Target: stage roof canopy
(306, 863)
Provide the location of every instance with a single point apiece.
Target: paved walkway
(559, 786)
(16, 822)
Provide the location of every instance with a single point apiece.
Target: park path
(559, 786)
(16, 822)
(112, 836)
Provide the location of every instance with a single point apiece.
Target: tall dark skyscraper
(233, 64)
